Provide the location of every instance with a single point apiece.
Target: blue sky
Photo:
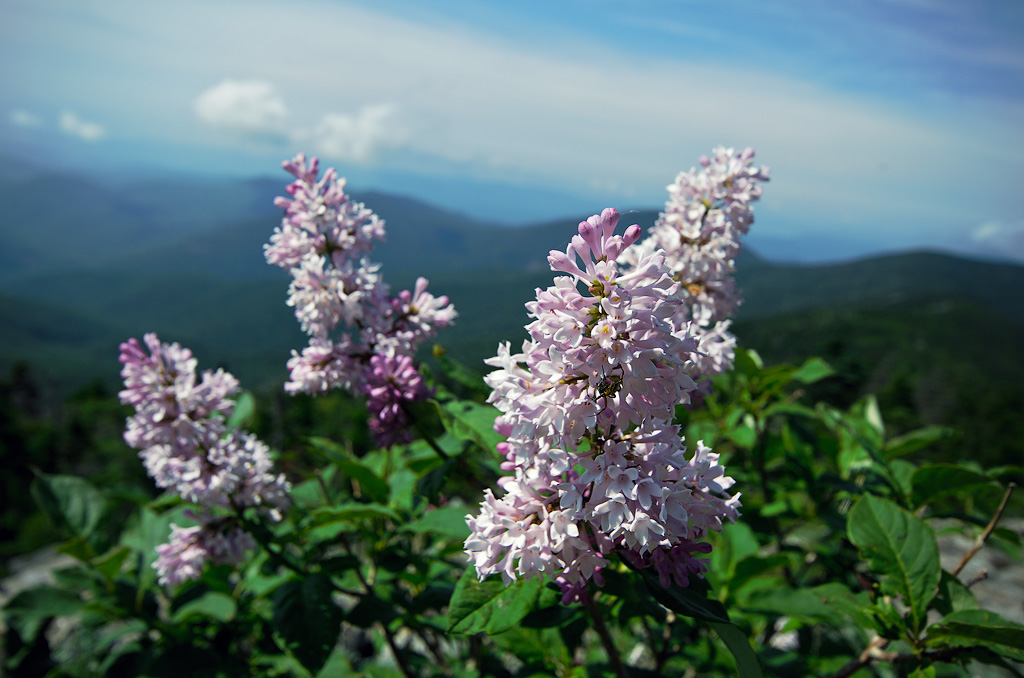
(887, 123)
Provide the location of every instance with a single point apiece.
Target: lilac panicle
(707, 212)
(180, 429)
(358, 330)
(597, 466)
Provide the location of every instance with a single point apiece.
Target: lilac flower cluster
(707, 212)
(362, 339)
(180, 430)
(587, 407)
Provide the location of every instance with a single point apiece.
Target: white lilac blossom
(359, 333)
(179, 427)
(597, 466)
(707, 212)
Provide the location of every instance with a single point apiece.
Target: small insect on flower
(609, 385)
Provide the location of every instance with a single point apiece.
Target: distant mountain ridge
(187, 260)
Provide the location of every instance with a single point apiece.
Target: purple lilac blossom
(597, 466)
(359, 333)
(707, 212)
(190, 548)
(180, 430)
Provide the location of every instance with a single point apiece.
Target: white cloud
(355, 137)
(1000, 238)
(22, 118)
(255, 109)
(251, 107)
(74, 126)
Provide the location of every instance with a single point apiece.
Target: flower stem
(606, 638)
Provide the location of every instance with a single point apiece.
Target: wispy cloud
(356, 137)
(72, 125)
(22, 118)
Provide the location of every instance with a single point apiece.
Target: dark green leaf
(306, 621)
(449, 521)
(211, 605)
(369, 610)
(896, 544)
(78, 548)
(490, 606)
(915, 440)
(953, 596)
(968, 628)
(750, 571)
(735, 542)
(70, 502)
(28, 611)
(692, 601)
(459, 372)
(939, 480)
(110, 563)
(739, 646)
(351, 512)
(802, 604)
(473, 422)
(371, 484)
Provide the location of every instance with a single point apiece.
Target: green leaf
(735, 542)
(28, 611)
(78, 548)
(306, 621)
(953, 595)
(371, 484)
(244, 412)
(460, 373)
(902, 472)
(969, 628)
(803, 604)
(814, 369)
(748, 362)
(691, 601)
(151, 531)
(490, 606)
(915, 440)
(211, 605)
(900, 546)
(471, 421)
(70, 502)
(939, 480)
(739, 646)
(351, 512)
(110, 563)
(449, 521)
(750, 570)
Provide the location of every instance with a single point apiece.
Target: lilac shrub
(180, 429)
(361, 338)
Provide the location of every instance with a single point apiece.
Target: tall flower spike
(358, 331)
(179, 427)
(597, 467)
(707, 212)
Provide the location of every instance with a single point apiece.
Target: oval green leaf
(902, 548)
